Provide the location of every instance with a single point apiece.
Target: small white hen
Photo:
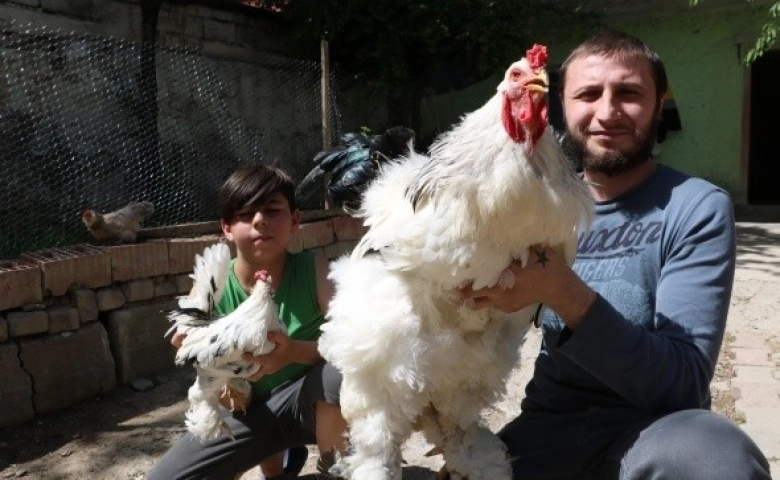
(214, 345)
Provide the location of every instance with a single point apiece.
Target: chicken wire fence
(96, 122)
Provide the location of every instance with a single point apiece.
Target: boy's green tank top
(299, 311)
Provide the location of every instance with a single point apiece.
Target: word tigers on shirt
(602, 252)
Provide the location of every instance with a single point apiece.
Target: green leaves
(768, 35)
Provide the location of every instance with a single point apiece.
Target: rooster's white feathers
(411, 354)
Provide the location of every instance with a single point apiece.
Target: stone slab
(140, 260)
(16, 406)
(137, 342)
(68, 367)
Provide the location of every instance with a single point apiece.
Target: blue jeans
(605, 444)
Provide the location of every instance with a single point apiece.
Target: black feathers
(352, 164)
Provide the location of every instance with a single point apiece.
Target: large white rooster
(214, 345)
(412, 355)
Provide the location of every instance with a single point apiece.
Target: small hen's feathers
(223, 341)
(121, 225)
(215, 344)
(209, 276)
(136, 211)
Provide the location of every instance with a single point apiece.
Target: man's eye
(589, 96)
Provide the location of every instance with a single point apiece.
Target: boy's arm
(324, 284)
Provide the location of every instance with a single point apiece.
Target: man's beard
(612, 162)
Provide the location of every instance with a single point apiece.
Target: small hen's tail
(209, 277)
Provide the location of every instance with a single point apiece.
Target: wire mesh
(96, 122)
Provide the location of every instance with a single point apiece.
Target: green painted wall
(701, 55)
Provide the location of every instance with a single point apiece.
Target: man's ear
(661, 102)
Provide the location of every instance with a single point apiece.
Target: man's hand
(546, 279)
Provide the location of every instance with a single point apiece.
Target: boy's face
(263, 234)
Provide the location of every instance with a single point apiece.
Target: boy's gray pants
(284, 420)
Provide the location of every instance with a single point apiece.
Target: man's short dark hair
(616, 44)
(252, 186)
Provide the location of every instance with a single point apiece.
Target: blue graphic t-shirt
(661, 257)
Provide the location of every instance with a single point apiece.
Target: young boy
(295, 394)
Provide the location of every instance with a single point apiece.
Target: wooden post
(326, 109)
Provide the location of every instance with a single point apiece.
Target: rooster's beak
(539, 82)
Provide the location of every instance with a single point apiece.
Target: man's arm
(669, 368)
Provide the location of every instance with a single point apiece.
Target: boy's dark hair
(252, 186)
(616, 44)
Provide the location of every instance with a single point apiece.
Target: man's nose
(608, 108)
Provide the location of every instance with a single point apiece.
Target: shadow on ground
(112, 429)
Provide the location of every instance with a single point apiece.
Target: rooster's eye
(515, 75)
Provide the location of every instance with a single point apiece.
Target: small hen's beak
(539, 82)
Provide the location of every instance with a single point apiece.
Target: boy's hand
(177, 339)
(278, 358)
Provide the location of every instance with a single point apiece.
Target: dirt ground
(120, 435)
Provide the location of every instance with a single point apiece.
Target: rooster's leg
(470, 450)
(375, 447)
(204, 417)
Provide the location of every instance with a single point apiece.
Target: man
(632, 332)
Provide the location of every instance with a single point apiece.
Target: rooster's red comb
(263, 275)
(537, 56)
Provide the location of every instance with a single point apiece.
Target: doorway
(764, 155)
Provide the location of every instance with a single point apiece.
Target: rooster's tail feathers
(211, 272)
(209, 276)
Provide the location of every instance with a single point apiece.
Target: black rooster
(352, 164)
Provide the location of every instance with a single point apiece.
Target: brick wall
(77, 321)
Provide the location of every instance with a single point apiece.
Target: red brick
(317, 234)
(296, 242)
(139, 260)
(20, 283)
(348, 228)
(78, 266)
(182, 251)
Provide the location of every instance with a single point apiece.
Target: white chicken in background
(412, 355)
(214, 345)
